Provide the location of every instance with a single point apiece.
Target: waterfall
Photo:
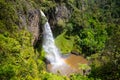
(58, 64)
(52, 53)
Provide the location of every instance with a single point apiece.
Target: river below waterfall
(71, 65)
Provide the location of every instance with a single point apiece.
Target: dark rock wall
(29, 18)
(33, 25)
(62, 12)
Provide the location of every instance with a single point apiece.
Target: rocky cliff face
(57, 14)
(30, 20)
(31, 23)
(62, 12)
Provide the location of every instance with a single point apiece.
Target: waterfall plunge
(52, 52)
(57, 63)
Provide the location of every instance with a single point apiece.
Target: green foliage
(61, 23)
(43, 20)
(46, 5)
(69, 27)
(76, 18)
(84, 66)
(91, 33)
(50, 76)
(106, 64)
(65, 45)
(9, 44)
(17, 57)
(105, 68)
(80, 77)
(93, 39)
(8, 15)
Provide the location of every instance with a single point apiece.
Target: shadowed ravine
(58, 64)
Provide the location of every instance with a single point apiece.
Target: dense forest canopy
(89, 27)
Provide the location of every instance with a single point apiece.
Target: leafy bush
(80, 77)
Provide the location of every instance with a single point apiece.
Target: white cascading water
(53, 54)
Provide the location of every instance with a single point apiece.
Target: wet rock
(75, 52)
(47, 61)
